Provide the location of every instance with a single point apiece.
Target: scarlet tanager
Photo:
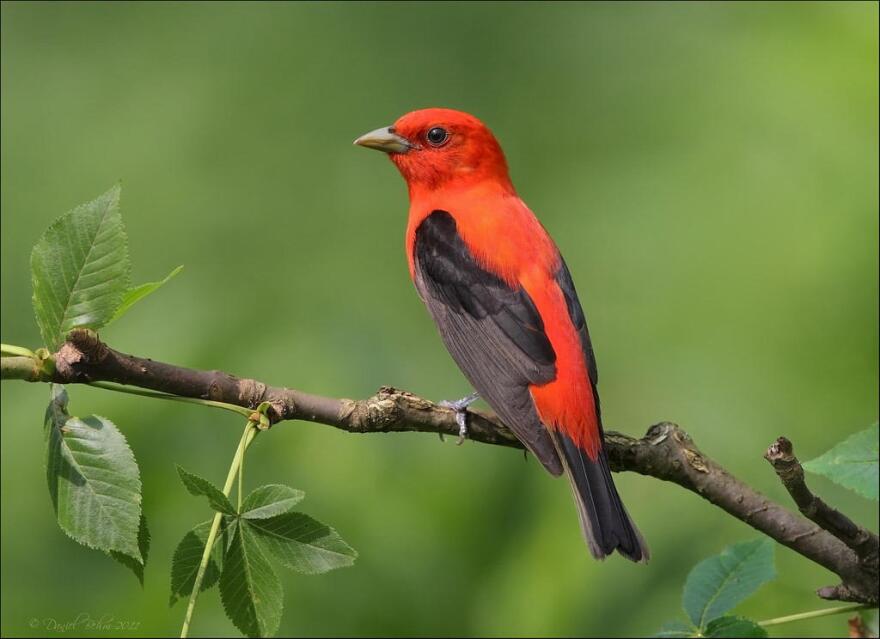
(506, 307)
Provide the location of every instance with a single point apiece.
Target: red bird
(506, 307)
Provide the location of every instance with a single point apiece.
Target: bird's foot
(460, 407)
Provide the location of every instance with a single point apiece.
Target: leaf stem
(825, 612)
(119, 388)
(250, 431)
(240, 481)
(9, 349)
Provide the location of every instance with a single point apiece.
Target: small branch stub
(859, 585)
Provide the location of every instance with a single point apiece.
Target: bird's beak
(384, 139)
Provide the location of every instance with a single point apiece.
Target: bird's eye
(437, 136)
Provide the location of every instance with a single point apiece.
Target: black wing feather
(493, 331)
(576, 313)
(606, 524)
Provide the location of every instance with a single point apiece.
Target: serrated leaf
(302, 543)
(853, 463)
(249, 588)
(93, 480)
(734, 627)
(80, 269)
(188, 556)
(677, 630)
(270, 500)
(230, 525)
(134, 295)
(198, 486)
(143, 545)
(717, 584)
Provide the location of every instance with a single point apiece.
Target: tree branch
(666, 452)
(864, 543)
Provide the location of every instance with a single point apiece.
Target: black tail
(604, 520)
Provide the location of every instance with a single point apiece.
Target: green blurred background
(709, 172)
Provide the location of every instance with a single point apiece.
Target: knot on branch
(781, 455)
(658, 433)
(378, 413)
(81, 350)
(251, 392)
(87, 341)
(666, 451)
(66, 359)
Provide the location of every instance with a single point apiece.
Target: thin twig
(812, 614)
(250, 431)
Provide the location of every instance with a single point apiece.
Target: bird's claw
(461, 420)
(460, 407)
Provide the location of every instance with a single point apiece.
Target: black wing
(606, 524)
(493, 331)
(576, 314)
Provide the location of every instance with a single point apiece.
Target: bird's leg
(460, 407)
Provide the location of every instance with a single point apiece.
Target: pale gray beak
(384, 139)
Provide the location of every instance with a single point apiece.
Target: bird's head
(435, 147)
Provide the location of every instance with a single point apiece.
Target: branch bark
(666, 452)
(862, 542)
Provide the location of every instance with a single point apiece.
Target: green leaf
(870, 621)
(143, 545)
(198, 486)
(80, 269)
(249, 588)
(676, 630)
(717, 584)
(134, 295)
(188, 556)
(301, 543)
(227, 532)
(93, 480)
(853, 463)
(270, 500)
(734, 627)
